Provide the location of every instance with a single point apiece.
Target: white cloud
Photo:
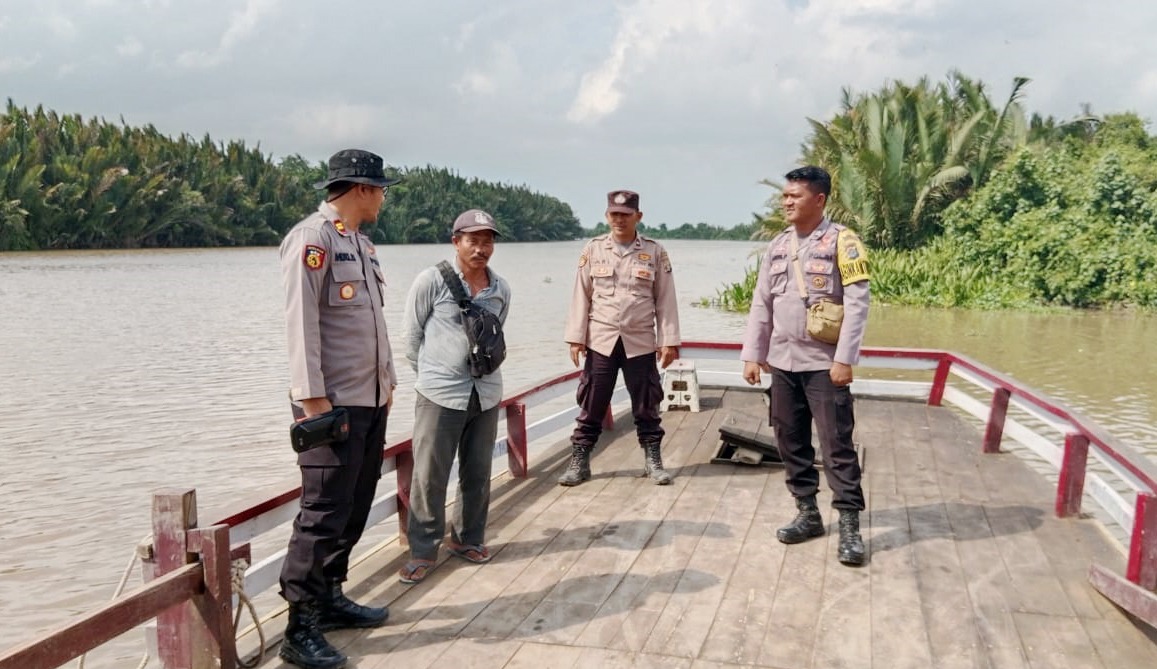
(17, 63)
(60, 25)
(335, 123)
(129, 48)
(645, 30)
(65, 70)
(242, 25)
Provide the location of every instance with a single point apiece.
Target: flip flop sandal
(415, 571)
(476, 553)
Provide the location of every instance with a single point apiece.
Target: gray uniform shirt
(777, 325)
(436, 344)
(338, 344)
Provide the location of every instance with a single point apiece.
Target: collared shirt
(339, 347)
(777, 324)
(436, 344)
(626, 293)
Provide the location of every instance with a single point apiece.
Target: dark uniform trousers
(597, 384)
(338, 483)
(797, 398)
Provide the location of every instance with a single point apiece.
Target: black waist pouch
(331, 427)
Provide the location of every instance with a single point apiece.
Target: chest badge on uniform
(644, 257)
(346, 292)
(819, 281)
(313, 256)
(339, 226)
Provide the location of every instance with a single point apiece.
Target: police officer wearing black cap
(339, 357)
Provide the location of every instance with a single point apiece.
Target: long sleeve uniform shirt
(338, 344)
(628, 294)
(777, 324)
(436, 344)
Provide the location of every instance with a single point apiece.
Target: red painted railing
(190, 591)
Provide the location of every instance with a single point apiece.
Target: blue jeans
(439, 435)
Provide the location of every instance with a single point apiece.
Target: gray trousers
(439, 435)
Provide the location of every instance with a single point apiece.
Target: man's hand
(667, 355)
(751, 371)
(390, 399)
(841, 374)
(575, 351)
(314, 406)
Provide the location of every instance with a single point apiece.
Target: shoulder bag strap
(454, 284)
(795, 263)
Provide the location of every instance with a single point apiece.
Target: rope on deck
(148, 540)
(238, 573)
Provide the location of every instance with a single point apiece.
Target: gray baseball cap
(475, 220)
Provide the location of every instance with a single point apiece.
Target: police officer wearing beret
(813, 260)
(623, 314)
(339, 356)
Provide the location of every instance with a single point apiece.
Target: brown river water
(122, 372)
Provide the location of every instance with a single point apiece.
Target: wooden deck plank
(967, 566)
(1056, 641)
(638, 602)
(544, 656)
(988, 582)
(895, 595)
(704, 560)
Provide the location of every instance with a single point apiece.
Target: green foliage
(737, 296)
(1074, 225)
(423, 207)
(68, 183)
(959, 210)
(898, 156)
(687, 231)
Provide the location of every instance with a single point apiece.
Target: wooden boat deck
(968, 565)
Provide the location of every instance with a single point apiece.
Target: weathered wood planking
(967, 567)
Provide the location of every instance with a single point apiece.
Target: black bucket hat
(356, 166)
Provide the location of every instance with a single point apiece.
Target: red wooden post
(404, 470)
(214, 644)
(516, 439)
(996, 416)
(939, 381)
(174, 512)
(1071, 485)
(1142, 567)
(609, 419)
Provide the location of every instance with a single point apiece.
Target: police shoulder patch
(583, 260)
(852, 258)
(313, 256)
(665, 262)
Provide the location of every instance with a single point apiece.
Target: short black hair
(817, 178)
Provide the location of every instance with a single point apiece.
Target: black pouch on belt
(323, 429)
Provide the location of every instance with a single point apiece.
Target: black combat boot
(579, 469)
(808, 522)
(340, 611)
(304, 644)
(653, 464)
(851, 550)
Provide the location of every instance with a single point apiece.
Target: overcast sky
(689, 102)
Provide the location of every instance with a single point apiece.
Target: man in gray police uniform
(814, 259)
(339, 356)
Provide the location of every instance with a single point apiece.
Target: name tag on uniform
(602, 270)
(644, 273)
